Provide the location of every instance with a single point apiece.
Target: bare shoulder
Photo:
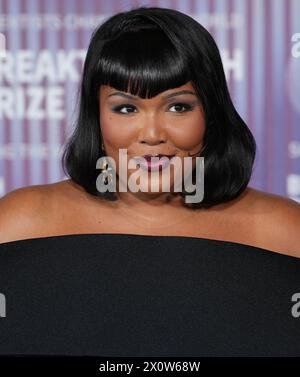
(26, 212)
(277, 221)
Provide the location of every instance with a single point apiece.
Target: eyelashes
(187, 106)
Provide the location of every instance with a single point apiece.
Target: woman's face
(171, 123)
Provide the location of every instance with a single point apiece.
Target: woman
(143, 273)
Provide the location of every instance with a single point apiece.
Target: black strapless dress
(139, 295)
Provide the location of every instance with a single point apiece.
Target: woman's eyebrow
(181, 92)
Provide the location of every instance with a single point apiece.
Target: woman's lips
(154, 163)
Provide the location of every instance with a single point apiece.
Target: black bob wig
(145, 51)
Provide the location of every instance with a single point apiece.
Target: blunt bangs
(142, 62)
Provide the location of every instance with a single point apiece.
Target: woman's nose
(152, 130)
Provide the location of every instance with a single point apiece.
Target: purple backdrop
(42, 49)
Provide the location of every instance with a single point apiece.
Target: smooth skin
(174, 125)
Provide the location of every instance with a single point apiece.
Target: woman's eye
(118, 109)
(127, 108)
(179, 106)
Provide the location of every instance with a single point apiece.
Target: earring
(105, 168)
(203, 148)
(106, 171)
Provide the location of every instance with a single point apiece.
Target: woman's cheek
(116, 133)
(189, 134)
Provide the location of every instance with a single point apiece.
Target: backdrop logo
(2, 46)
(294, 149)
(23, 74)
(292, 78)
(2, 186)
(293, 186)
(2, 305)
(296, 46)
